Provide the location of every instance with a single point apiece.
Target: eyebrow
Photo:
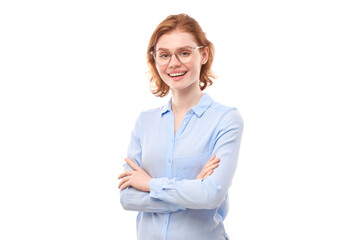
(166, 49)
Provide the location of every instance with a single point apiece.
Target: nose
(174, 61)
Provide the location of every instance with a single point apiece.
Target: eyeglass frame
(171, 54)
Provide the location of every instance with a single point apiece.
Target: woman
(182, 156)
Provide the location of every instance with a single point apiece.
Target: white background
(73, 80)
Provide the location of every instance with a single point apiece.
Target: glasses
(184, 55)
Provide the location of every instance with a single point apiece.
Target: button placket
(187, 117)
(172, 145)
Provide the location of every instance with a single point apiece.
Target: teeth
(176, 74)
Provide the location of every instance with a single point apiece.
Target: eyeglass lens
(184, 55)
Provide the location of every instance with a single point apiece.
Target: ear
(204, 55)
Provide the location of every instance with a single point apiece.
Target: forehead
(176, 39)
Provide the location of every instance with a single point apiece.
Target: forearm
(136, 200)
(210, 192)
(167, 195)
(191, 194)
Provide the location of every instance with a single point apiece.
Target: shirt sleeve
(133, 199)
(210, 192)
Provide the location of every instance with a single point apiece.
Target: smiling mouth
(177, 74)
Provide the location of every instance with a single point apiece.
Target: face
(177, 75)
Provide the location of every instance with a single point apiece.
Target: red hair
(184, 23)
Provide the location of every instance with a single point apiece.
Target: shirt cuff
(155, 187)
(158, 185)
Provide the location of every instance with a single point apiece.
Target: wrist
(147, 187)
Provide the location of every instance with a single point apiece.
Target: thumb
(132, 164)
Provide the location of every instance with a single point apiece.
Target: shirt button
(190, 111)
(184, 122)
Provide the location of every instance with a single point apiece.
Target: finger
(132, 164)
(124, 174)
(208, 174)
(199, 177)
(212, 167)
(201, 174)
(124, 180)
(215, 160)
(209, 162)
(212, 160)
(207, 169)
(125, 185)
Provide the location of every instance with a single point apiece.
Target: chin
(182, 87)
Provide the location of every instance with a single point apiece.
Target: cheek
(162, 72)
(158, 69)
(161, 69)
(196, 63)
(195, 67)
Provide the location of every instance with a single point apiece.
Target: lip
(177, 72)
(178, 78)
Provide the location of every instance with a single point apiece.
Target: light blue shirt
(179, 207)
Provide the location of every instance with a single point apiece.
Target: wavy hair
(184, 23)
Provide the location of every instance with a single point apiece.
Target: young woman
(182, 156)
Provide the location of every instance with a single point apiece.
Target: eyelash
(165, 55)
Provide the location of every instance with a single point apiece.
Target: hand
(209, 167)
(137, 178)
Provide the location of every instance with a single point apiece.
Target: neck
(184, 100)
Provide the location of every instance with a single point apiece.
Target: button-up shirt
(178, 206)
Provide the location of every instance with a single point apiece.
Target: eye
(164, 55)
(185, 53)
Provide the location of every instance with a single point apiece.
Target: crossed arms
(140, 192)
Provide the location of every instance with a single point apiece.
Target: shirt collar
(199, 109)
(166, 108)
